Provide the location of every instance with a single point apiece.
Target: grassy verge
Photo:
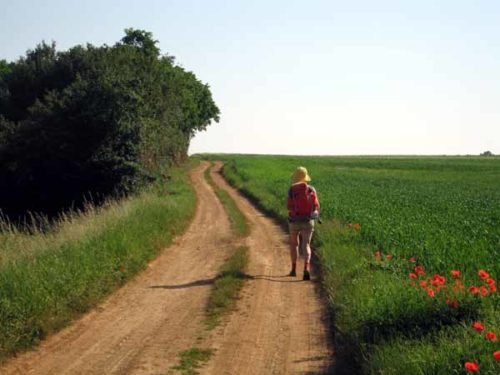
(192, 359)
(47, 279)
(383, 324)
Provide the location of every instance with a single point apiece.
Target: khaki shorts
(299, 226)
(304, 230)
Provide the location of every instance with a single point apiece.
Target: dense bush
(93, 121)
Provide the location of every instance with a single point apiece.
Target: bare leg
(306, 246)
(294, 248)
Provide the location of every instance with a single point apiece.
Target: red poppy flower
(471, 366)
(484, 291)
(491, 336)
(490, 281)
(419, 270)
(437, 279)
(377, 254)
(430, 292)
(483, 274)
(412, 275)
(455, 273)
(474, 290)
(496, 355)
(478, 326)
(389, 256)
(492, 284)
(412, 260)
(423, 284)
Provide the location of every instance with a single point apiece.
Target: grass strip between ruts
(192, 359)
(239, 223)
(226, 287)
(231, 277)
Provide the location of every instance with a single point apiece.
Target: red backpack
(302, 201)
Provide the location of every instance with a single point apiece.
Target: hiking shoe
(307, 276)
(292, 273)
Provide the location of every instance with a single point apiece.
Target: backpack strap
(309, 193)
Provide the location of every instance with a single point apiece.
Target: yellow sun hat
(300, 175)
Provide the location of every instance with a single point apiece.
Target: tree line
(91, 122)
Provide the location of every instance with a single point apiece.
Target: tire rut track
(280, 326)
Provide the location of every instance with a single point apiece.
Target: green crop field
(394, 229)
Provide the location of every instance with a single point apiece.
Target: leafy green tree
(93, 121)
(141, 39)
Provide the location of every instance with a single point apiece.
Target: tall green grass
(48, 278)
(445, 212)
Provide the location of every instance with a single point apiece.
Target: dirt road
(278, 326)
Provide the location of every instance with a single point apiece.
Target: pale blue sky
(309, 77)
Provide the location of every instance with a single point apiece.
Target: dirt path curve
(280, 326)
(143, 326)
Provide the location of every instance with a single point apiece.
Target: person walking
(303, 209)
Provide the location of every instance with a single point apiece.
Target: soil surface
(279, 325)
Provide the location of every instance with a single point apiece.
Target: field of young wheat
(409, 249)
